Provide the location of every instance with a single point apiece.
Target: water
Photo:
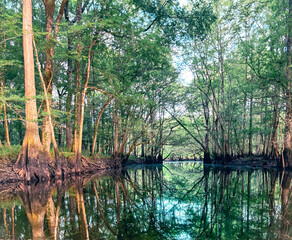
(173, 201)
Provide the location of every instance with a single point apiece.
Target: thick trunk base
(32, 163)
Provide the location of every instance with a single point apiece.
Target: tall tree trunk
(97, 125)
(50, 9)
(221, 67)
(250, 125)
(2, 86)
(230, 118)
(153, 114)
(267, 136)
(32, 162)
(205, 103)
(244, 125)
(116, 135)
(60, 127)
(80, 116)
(77, 110)
(288, 120)
(69, 135)
(214, 128)
(7, 139)
(275, 123)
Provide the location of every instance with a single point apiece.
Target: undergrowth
(8, 155)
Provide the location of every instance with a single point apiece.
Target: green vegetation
(112, 72)
(9, 154)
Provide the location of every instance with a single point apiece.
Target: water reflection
(174, 201)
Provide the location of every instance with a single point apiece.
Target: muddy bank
(89, 167)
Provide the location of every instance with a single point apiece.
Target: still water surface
(173, 201)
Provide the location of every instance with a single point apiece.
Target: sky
(185, 75)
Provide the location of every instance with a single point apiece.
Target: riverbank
(8, 158)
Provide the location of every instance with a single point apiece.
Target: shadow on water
(173, 201)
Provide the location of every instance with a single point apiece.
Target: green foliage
(9, 154)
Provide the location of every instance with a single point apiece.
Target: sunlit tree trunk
(32, 161)
(288, 120)
(68, 107)
(49, 8)
(7, 139)
(49, 53)
(77, 129)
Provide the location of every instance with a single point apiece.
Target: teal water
(173, 201)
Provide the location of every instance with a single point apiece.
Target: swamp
(171, 201)
(145, 119)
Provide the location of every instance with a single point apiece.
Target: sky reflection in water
(173, 201)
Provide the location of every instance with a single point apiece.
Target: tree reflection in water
(174, 201)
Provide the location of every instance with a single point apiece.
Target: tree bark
(58, 171)
(77, 110)
(97, 125)
(275, 123)
(288, 120)
(69, 134)
(223, 127)
(32, 162)
(80, 114)
(250, 125)
(50, 9)
(7, 139)
(116, 135)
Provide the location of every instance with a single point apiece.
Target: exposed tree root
(33, 163)
(9, 174)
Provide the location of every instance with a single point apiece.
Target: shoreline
(7, 175)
